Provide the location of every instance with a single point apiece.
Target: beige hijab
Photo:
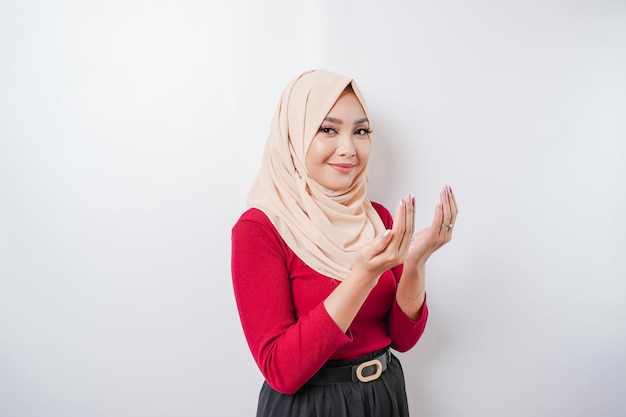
(323, 227)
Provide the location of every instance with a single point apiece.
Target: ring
(449, 226)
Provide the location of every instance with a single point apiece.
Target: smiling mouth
(343, 168)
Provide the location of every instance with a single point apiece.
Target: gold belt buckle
(376, 375)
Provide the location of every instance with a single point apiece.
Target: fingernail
(386, 234)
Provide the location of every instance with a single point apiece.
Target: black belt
(365, 371)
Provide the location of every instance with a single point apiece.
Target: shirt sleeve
(287, 351)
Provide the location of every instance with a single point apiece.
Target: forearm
(411, 290)
(346, 300)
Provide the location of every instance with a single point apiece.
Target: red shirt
(280, 302)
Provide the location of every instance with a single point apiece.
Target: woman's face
(341, 147)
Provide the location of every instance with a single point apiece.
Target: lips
(343, 168)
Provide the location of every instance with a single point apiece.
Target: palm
(423, 245)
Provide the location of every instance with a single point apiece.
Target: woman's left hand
(428, 240)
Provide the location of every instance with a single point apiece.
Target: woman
(326, 282)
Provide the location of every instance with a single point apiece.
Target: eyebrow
(339, 122)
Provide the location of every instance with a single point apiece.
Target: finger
(449, 216)
(409, 222)
(453, 210)
(382, 241)
(445, 202)
(399, 224)
(454, 207)
(406, 215)
(412, 232)
(378, 246)
(438, 219)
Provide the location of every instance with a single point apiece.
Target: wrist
(415, 268)
(363, 278)
(417, 296)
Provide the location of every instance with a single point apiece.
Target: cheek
(313, 155)
(317, 152)
(363, 151)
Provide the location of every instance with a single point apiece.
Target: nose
(346, 146)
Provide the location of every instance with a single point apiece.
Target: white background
(130, 132)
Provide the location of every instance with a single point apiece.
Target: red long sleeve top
(280, 303)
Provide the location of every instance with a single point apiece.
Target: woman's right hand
(389, 248)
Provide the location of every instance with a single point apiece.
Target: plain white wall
(130, 132)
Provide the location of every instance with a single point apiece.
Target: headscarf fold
(323, 227)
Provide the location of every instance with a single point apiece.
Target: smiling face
(340, 149)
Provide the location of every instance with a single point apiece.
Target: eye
(362, 132)
(328, 130)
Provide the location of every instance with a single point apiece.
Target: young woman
(326, 281)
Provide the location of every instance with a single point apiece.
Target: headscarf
(324, 228)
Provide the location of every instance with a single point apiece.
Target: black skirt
(384, 397)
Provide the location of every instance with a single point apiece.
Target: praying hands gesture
(400, 245)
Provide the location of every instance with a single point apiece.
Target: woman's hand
(428, 240)
(390, 248)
